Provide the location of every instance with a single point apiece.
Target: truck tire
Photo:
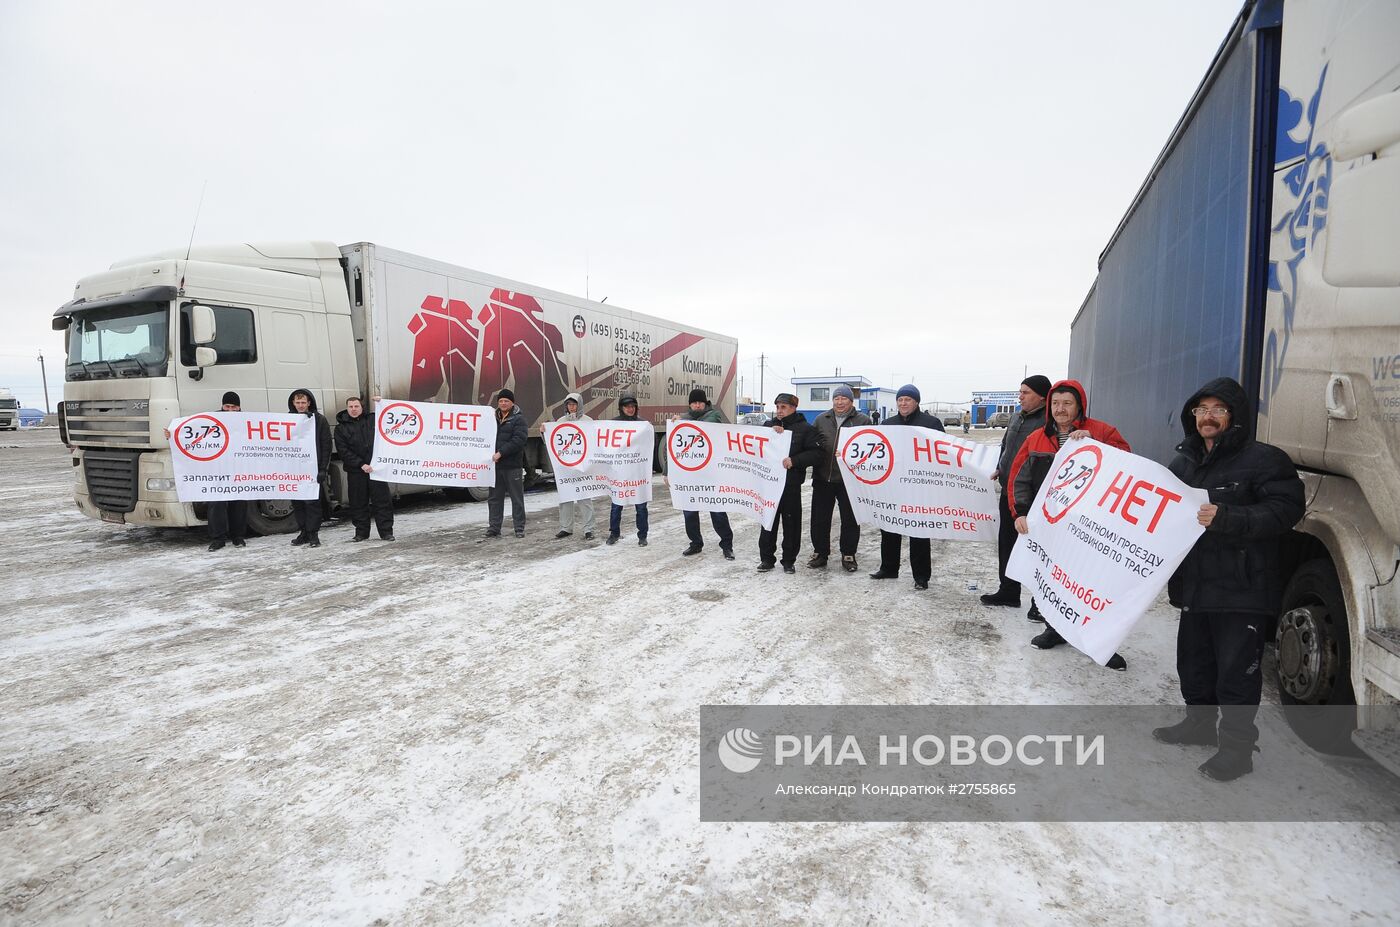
(271, 516)
(1313, 645)
(656, 458)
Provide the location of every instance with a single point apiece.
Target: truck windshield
(131, 340)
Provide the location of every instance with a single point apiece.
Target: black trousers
(369, 496)
(308, 515)
(1218, 656)
(720, 521)
(510, 481)
(920, 560)
(825, 497)
(228, 521)
(789, 518)
(1006, 539)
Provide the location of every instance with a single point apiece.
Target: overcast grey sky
(915, 190)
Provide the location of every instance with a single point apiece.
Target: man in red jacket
(1068, 421)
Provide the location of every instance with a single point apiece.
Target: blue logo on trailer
(1309, 181)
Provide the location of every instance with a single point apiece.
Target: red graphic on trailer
(872, 460)
(568, 445)
(400, 424)
(1071, 482)
(474, 352)
(202, 438)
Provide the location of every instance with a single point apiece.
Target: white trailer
(167, 334)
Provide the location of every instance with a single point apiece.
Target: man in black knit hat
(228, 521)
(1034, 389)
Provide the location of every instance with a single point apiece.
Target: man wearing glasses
(1231, 582)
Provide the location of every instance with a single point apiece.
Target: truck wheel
(532, 476)
(656, 458)
(1314, 656)
(466, 493)
(272, 516)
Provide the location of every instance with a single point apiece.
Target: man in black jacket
(228, 521)
(1230, 583)
(627, 412)
(920, 557)
(354, 439)
(1031, 416)
(512, 434)
(310, 512)
(828, 488)
(802, 454)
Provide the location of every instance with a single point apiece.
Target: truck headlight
(160, 485)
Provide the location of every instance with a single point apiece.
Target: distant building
(814, 394)
(987, 403)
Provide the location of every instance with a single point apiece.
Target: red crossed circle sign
(202, 438)
(685, 443)
(400, 423)
(1074, 477)
(869, 456)
(568, 445)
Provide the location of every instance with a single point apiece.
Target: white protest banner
(1107, 530)
(434, 444)
(920, 482)
(220, 456)
(727, 468)
(610, 459)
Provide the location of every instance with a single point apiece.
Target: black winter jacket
(354, 439)
(829, 440)
(919, 418)
(804, 450)
(512, 433)
(1235, 565)
(323, 431)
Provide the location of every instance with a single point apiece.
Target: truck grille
(111, 479)
(9, 404)
(108, 422)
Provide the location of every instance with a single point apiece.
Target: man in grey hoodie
(573, 412)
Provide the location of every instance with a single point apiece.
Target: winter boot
(1235, 758)
(1197, 729)
(817, 562)
(1047, 639)
(1034, 614)
(1001, 598)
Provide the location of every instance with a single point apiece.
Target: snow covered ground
(441, 731)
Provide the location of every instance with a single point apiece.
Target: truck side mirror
(1363, 212)
(202, 326)
(205, 357)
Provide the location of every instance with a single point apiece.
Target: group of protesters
(1227, 582)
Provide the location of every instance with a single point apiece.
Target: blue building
(987, 403)
(814, 395)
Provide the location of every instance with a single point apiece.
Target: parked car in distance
(753, 418)
(999, 420)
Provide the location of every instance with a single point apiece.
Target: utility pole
(761, 402)
(45, 375)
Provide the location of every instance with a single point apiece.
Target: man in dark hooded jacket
(1231, 581)
(309, 512)
(802, 453)
(627, 412)
(920, 552)
(702, 410)
(512, 434)
(354, 440)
